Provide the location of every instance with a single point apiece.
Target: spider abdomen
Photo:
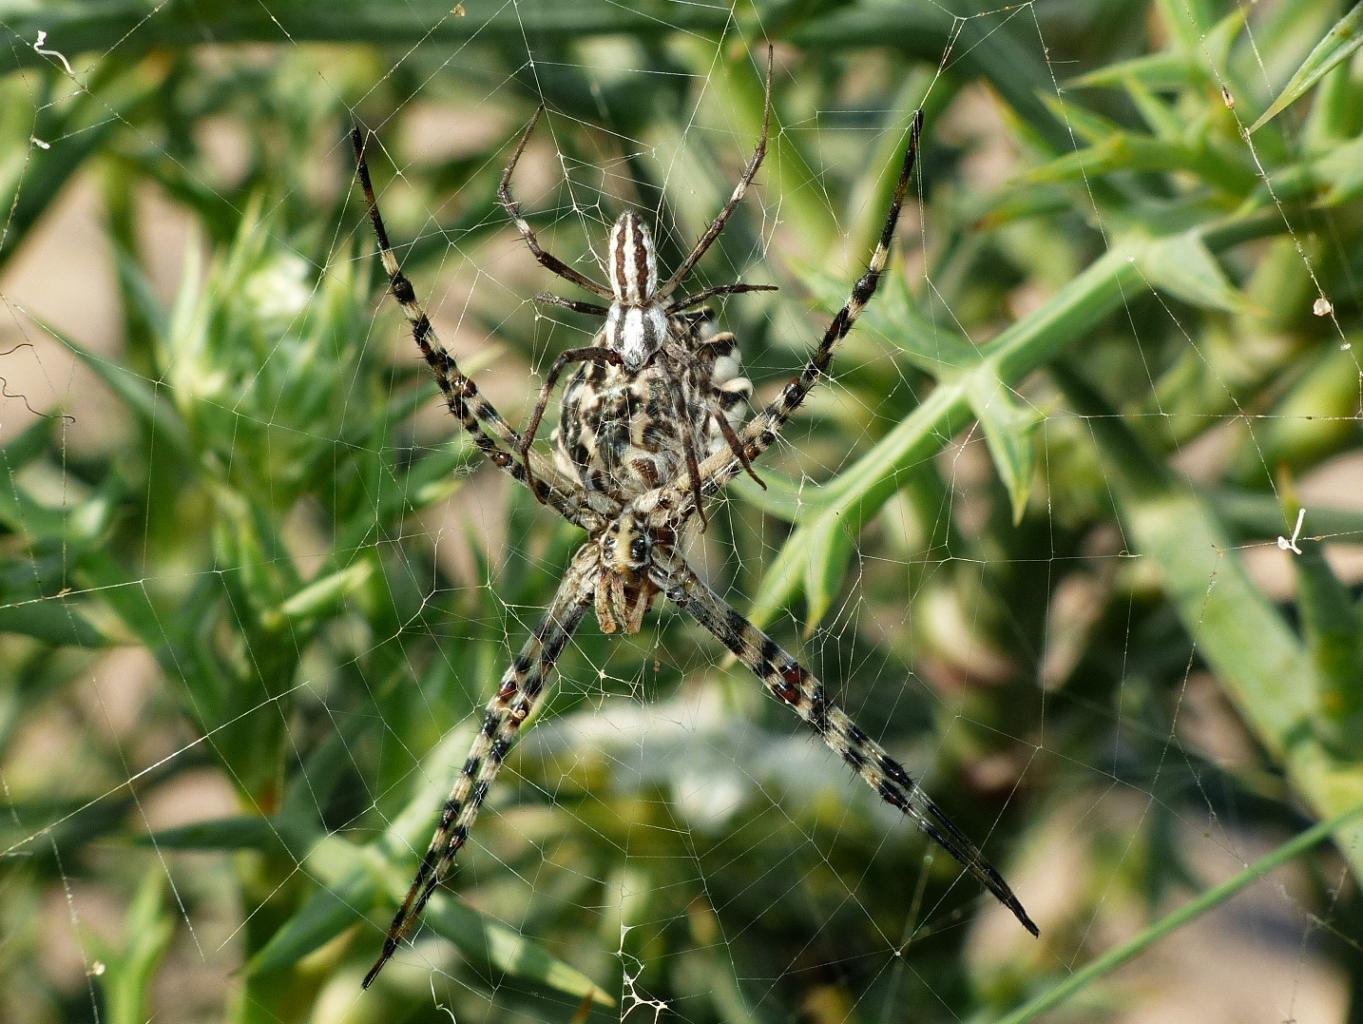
(619, 428)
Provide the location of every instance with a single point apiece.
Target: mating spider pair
(651, 425)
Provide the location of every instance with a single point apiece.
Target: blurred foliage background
(1040, 534)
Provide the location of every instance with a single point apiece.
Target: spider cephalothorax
(656, 395)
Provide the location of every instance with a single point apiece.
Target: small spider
(627, 420)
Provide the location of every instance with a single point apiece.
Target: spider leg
(590, 308)
(760, 432)
(462, 397)
(792, 684)
(717, 225)
(696, 298)
(547, 260)
(721, 399)
(689, 449)
(686, 436)
(736, 446)
(590, 354)
(523, 686)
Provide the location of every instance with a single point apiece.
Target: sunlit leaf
(1184, 267)
(1338, 45)
(490, 942)
(826, 556)
(1008, 425)
(128, 972)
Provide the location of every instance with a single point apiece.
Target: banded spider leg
(760, 432)
(462, 396)
(793, 685)
(524, 685)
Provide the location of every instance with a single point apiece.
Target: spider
(639, 327)
(617, 474)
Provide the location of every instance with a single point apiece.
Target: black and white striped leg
(760, 432)
(680, 411)
(590, 354)
(546, 259)
(524, 685)
(793, 685)
(589, 308)
(696, 298)
(717, 225)
(461, 394)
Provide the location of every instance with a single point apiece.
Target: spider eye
(638, 548)
(609, 542)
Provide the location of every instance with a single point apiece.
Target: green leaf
(29, 445)
(829, 548)
(1315, 417)
(333, 907)
(782, 577)
(32, 178)
(487, 941)
(82, 28)
(982, 47)
(1258, 516)
(1070, 315)
(352, 878)
(322, 595)
(127, 975)
(1187, 21)
(1334, 641)
(1183, 266)
(1127, 151)
(154, 409)
(1339, 43)
(1255, 657)
(1160, 117)
(896, 319)
(242, 832)
(1220, 40)
(1090, 127)
(1008, 426)
(1340, 169)
(859, 492)
(77, 525)
(54, 621)
(784, 497)
(1160, 72)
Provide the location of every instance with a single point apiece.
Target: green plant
(1085, 400)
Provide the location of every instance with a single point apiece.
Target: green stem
(851, 500)
(1190, 911)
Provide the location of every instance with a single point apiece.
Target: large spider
(620, 453)
(640, 329)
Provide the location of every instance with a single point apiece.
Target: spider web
(257, 588)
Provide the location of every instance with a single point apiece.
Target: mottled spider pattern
(657, 395)
(625, 432)
(644, 333)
